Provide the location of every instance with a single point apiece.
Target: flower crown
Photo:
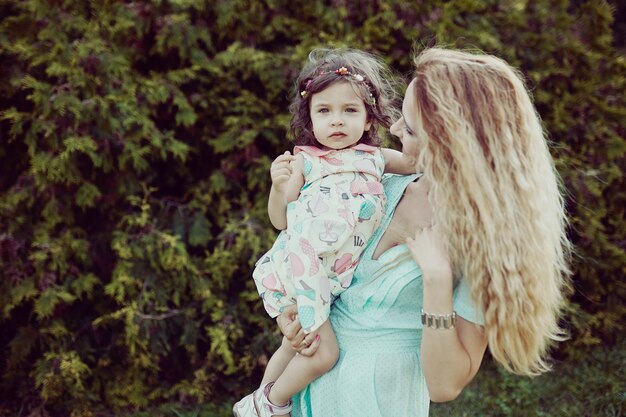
(342, 72)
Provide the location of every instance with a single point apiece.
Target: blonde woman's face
(403, 128)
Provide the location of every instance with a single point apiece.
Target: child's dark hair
(370, 77)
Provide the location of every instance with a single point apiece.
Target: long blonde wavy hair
(497, 199)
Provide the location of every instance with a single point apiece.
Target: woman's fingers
(420, 236)
(310, 348)
(305, 344)
(428, 249)
(298, 341)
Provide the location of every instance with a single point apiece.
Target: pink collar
(315, 151)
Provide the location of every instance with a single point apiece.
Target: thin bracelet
(439, 321)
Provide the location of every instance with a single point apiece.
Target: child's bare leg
(279, 361)
(302, 370)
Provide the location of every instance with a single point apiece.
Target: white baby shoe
(258, 404)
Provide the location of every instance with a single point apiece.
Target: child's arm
(398, 163)
(287, 172)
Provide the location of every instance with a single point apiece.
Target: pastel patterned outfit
(379, 331)
(339, 207)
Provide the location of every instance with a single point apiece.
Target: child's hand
(429, 252)
(281, 171)
(290, 326)
(305, 344)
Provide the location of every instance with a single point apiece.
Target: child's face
(339, 116)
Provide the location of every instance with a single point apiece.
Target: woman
(473, 247)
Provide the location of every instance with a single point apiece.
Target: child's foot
(258, 404)
(246, 407)
(266, 408)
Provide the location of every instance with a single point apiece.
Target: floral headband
(342, 72)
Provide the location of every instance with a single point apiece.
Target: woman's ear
(368, 124)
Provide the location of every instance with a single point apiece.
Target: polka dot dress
(378, 327)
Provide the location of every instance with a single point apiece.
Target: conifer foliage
(136, 138)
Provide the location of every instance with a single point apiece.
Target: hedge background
(136, 138)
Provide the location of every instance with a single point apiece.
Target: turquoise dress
(378, 327)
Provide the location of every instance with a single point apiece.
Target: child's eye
(408, 131)
(323, 110)
(351, 110)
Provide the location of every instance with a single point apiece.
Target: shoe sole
(256, 407)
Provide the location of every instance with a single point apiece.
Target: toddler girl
(328, 200)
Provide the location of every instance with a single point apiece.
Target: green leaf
(199, 233)
(49, 299)
(21, 346)
(84, 285)
(87, 195)
(18, 294)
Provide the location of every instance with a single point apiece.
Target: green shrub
(136, 139)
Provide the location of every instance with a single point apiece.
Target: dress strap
(394, 186)
(394, 190)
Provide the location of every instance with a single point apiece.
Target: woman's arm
(287, 173)
(450, 357)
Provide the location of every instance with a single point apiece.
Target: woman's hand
(429, 252)
(450, 358)
(304, 344)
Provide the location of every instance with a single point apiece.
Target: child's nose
(337, 121)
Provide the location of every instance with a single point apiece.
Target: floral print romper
(339, 207)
